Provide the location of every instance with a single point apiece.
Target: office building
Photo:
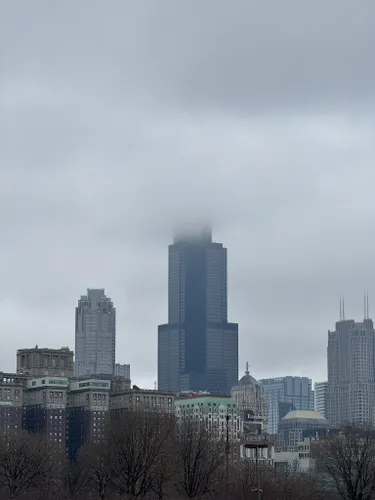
(351, 372)
(122, 371)
(198, 347)
(95, 334)
(298, 424)
(42, 361)
(321, 398)
(284, 394)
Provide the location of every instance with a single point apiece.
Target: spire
(340, 309)
(364, 307)
(247, 368)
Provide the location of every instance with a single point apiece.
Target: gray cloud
(118, 121)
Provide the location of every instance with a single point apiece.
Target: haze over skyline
(119, 120)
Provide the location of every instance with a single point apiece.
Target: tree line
(148, 456)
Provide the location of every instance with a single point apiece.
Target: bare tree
(138, 441)
(243, 480)
(97, 459)
(27, 464)
(200, 461)
(75, 479)
(293, 484)
(348, 463)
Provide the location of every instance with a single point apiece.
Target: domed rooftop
(247, 379)
(304, 414)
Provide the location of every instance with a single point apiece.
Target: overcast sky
(119, 119)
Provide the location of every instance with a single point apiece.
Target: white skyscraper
(95, 335)
(351, 372)
(320, 398)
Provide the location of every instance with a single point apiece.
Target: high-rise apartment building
(95, 334)
(285, 394)
(321, 398)
(351, 373)
(198, 347)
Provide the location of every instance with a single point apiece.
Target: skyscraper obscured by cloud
(95, 334)
(198, 347)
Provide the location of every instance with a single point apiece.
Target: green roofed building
(218, 412)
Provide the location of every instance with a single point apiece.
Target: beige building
(41, 362)
(249, 396)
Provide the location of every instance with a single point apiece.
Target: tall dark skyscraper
(197, 348)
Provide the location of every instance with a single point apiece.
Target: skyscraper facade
(351, 373)
(321, 398)
(285, 394)
(198, 347)
(95, 334)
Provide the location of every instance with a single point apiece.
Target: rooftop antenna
(247, 368)
(364, 307)
(154, 386)
(343, 307)
(340, 309)
(367, 308)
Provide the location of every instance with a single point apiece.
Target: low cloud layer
(117, 121)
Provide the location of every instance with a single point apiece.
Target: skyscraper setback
(95, 335)
(198, 347)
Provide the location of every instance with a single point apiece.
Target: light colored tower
(95, 334)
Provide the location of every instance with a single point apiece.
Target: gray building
(95, 334)
(11, 403)
(298, 424)
(198, 347)
(87, 412)
(250, 397)
(44, 410)
(321, 398)
(351, 373)
(124, 399)
(285, 394)
(122, 371)
(42, 361)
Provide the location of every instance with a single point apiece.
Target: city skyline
(149, 114)
(125, 368)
